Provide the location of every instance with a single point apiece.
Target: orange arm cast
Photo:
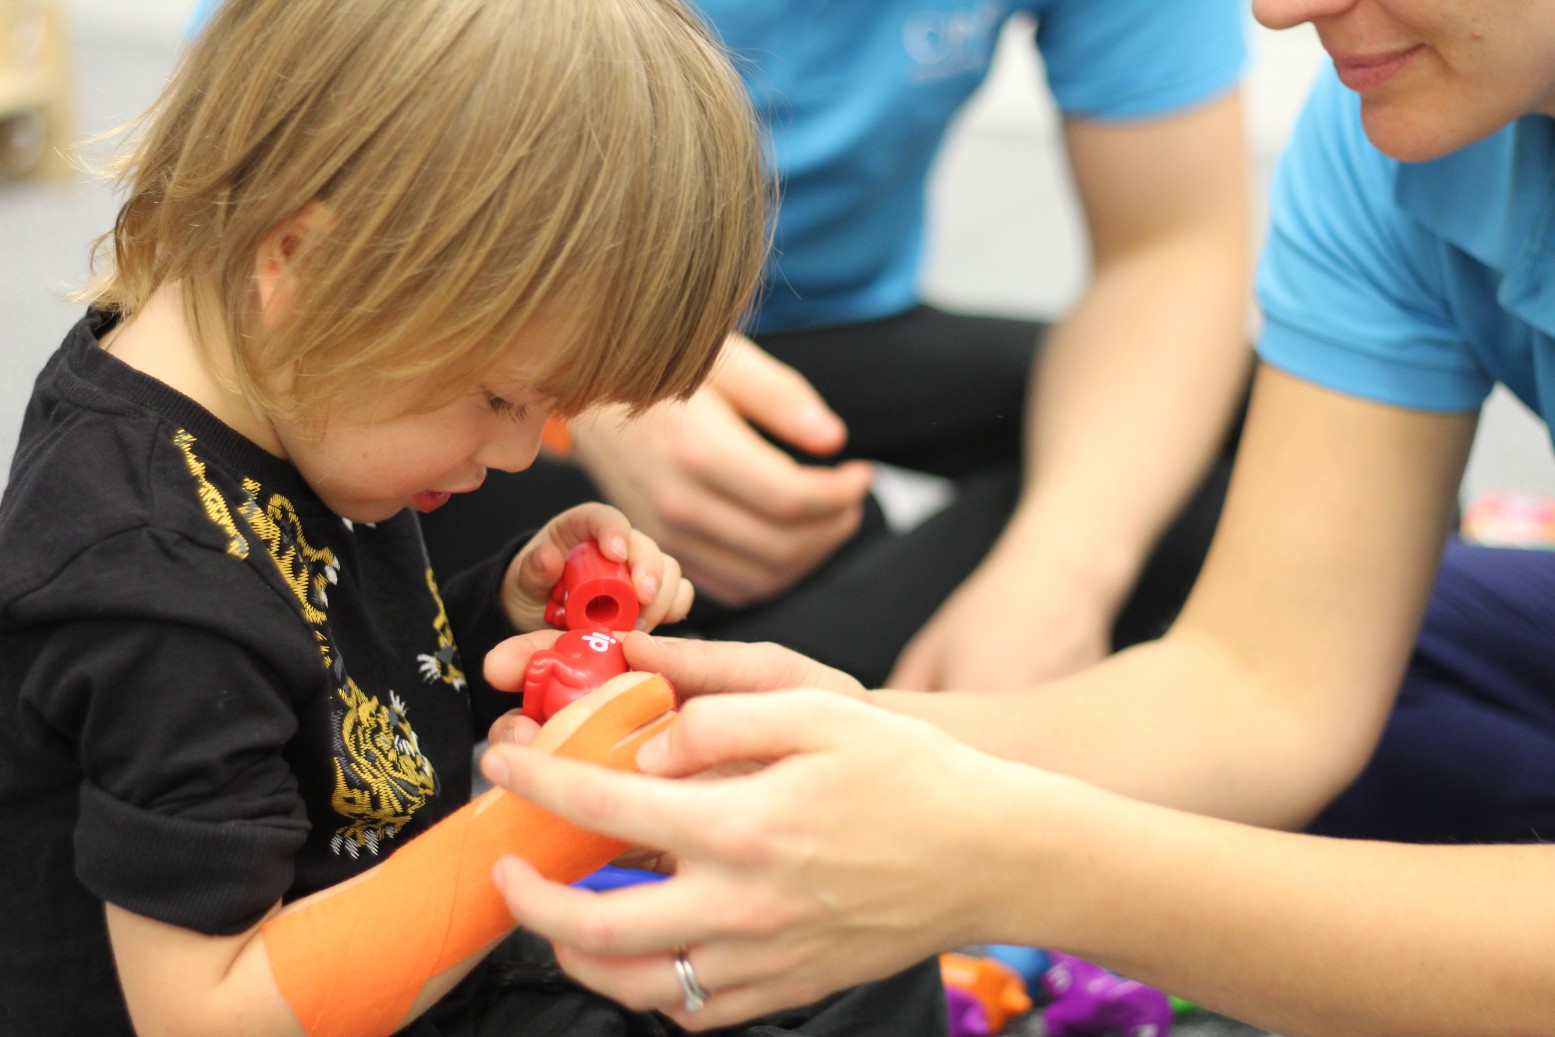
(432, 904)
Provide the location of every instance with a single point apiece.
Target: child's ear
(275, 260)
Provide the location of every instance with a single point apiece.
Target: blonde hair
(482, 163)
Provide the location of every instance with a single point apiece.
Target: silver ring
(696, 993)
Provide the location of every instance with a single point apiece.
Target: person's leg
(1468, 754)
(927, 391)
(908, 1004)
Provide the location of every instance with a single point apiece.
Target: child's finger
(647, 564)
(671, 594)
(601, 523)
(683, 599)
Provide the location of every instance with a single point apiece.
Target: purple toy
(1086, 1001)
(968, 1017)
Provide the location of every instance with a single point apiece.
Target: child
(366, 249)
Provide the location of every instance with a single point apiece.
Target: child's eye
(507, 409)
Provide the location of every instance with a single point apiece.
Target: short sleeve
(1137, 59)
(1350, 285)
(189, 813)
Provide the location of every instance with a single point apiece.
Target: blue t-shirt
(1414, 284)
(858, 97)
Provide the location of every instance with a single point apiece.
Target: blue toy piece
(1031, 963)
(612, 877)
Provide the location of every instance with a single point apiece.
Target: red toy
(594, 593)
(593, 597)
(579, 662)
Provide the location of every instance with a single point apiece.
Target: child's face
(368, 469)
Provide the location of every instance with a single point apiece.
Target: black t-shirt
(214, 692)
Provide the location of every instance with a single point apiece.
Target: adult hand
(694, 668)
(743, 518)
(1009, 625)
(869, 841)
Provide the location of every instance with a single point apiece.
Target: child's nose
(512, 448)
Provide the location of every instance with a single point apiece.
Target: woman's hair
(480, 163)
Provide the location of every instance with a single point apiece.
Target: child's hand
(663, 595)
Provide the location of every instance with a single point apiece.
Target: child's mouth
(429, 500)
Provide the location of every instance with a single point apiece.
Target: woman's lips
(1363, 72)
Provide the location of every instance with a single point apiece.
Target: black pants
(927, 390)
(519, 991)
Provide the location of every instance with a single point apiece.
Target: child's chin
(366, 513)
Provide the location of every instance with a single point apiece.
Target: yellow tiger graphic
(444, 665)
(381, 777)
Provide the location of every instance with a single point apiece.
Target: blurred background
(1005, 236)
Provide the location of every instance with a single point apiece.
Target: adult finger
(638, 810)
(772, 484)
(741, 573)
(778, 398)
(506, 662)
(697, 667)
(721, 731)
(641, 919)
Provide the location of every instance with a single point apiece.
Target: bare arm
(1310, 937)
(1131, 396)
(1266, 697)
(180, 983)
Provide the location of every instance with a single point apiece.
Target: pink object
(1503, 519)
(579, 662)
(594, 593)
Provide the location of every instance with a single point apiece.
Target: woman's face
(1433, 75)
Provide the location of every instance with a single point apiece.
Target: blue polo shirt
(1415, 284)
(858, 96)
